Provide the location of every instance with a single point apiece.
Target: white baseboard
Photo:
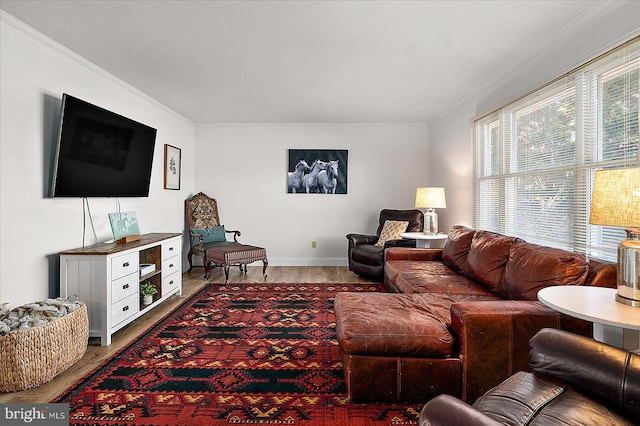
(312, 261)
(284, 261)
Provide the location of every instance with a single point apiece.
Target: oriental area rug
(234, 354)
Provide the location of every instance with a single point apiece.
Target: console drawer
(123, 287)
(125, 308)
(124, 265)
(170, 283)
(170, 266)
(170, 249)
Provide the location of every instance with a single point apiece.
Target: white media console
(107, 278)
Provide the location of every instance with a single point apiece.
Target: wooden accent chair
(205, 228)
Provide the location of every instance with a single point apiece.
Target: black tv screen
(101, 153)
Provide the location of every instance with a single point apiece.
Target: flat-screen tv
(100, 153)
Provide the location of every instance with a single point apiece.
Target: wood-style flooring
(191, 283)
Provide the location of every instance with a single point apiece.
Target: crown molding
(81, 60)
(595, 11)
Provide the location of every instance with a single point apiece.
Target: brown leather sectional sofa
(461, 319)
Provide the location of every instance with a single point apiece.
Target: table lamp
(430, 199)
(616, 202)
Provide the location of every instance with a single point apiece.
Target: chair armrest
(413, 254)
(611, 373)
(493, 339)
(357, 239)
(200, 238)
(400, 243)
(445, 410)
(236, 234)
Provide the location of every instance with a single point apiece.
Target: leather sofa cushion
(531, 267)
(456, 247)
(390, 324)
(398, 325)
(487, 258)
(425, 282)
(394, 268)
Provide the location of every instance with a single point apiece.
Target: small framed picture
(124, 225)
(172, 167)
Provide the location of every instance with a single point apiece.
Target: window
(535, 158)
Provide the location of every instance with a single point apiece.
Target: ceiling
(303, 61)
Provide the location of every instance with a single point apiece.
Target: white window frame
(495, 208)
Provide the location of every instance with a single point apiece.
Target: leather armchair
(365, 258)
(573, 380)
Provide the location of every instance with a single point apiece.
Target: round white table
(613, 323)
(423, 240)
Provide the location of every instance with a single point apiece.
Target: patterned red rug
(245, 353)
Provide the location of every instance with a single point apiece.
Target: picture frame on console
(172, 167)
(124, 226)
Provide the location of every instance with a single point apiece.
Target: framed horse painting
(317, 171)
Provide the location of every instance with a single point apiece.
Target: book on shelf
(147, 268)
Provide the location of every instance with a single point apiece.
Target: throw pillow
(391, 230)
(210, 235)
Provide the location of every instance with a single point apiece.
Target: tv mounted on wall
(100, 153)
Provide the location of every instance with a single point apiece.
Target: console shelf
(107, 278)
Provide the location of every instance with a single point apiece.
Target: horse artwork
(294, 179)
(328, 179)
(310, 180)
(327, 174)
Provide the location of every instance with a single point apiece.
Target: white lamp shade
(616, 198)
(430, 198)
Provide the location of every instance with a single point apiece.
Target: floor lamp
(430, 199)
(616, 202)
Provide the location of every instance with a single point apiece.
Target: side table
(423, 240)
(613, 323)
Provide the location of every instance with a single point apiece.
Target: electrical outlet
(313, 244)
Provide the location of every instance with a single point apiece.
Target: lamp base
(629, 302)
(629, 269)
(430, 222)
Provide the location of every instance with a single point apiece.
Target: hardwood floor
(191, 283)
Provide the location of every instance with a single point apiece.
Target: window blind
(535, 158)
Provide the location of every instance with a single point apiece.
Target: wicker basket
(33, 356)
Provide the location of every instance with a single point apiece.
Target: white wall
(451, 135)
(244, 167)
(34, 72)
